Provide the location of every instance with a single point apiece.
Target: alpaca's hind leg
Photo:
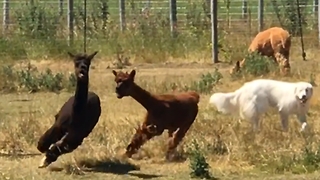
(175, 139)
(284, 121)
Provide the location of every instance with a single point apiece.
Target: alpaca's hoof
(44, 163)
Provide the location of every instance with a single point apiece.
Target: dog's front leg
(303, 120)
(256, 123)
(284, 120)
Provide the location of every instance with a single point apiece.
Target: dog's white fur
(255, 97)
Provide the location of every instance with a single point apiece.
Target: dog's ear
(296, 91)
(311, 90)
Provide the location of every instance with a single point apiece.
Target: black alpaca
(76, 118)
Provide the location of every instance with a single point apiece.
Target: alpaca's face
(124, 82)
(82, 68)
(82, 64)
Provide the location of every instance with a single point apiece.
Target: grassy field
(230, 148)
(36, 79)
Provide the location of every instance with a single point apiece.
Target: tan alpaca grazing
(274, 42)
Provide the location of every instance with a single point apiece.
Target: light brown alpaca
(172, 112)
(274, 42)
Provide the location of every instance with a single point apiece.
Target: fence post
(60, 7)
(214, 29)
(122, 14)
(319, 23)
(70, 22)
(244, 9)
(260, 15)
(173, 17)
(148, 4)
(315, 7)
(5, 19)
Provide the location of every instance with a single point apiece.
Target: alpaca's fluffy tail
(195, 95)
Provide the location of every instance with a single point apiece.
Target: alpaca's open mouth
(119, 96)
(81, 75)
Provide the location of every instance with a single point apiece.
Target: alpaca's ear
(71, 55)
(138, 128)
(238, 64)
(114, 72)
(132, 74)
(91, 56)
(174, 134)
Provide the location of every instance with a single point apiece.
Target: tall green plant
(36, 21)
(289, 14)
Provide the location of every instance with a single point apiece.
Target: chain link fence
(64, 19)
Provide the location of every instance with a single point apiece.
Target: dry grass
(24, 117)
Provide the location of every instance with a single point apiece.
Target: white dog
(255, 97)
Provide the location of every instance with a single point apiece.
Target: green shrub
(306, 162)
(206, 82)
(198, 164)
(258, 65)
(32, 80)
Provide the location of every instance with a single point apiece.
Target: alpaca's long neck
(81, 95)
(146, 99)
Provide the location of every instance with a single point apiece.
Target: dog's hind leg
(251, 111)
(284, 120)
(256, 123)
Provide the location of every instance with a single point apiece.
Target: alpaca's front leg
(48, 138)
(283, 62)
(142, 135)
(137, 141)
(69, 142)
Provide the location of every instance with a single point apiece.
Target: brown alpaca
(76, 118)
(172, 112)
(274, 42)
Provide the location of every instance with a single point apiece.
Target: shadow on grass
(114, 166)
(144, 176)
(19, 155)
